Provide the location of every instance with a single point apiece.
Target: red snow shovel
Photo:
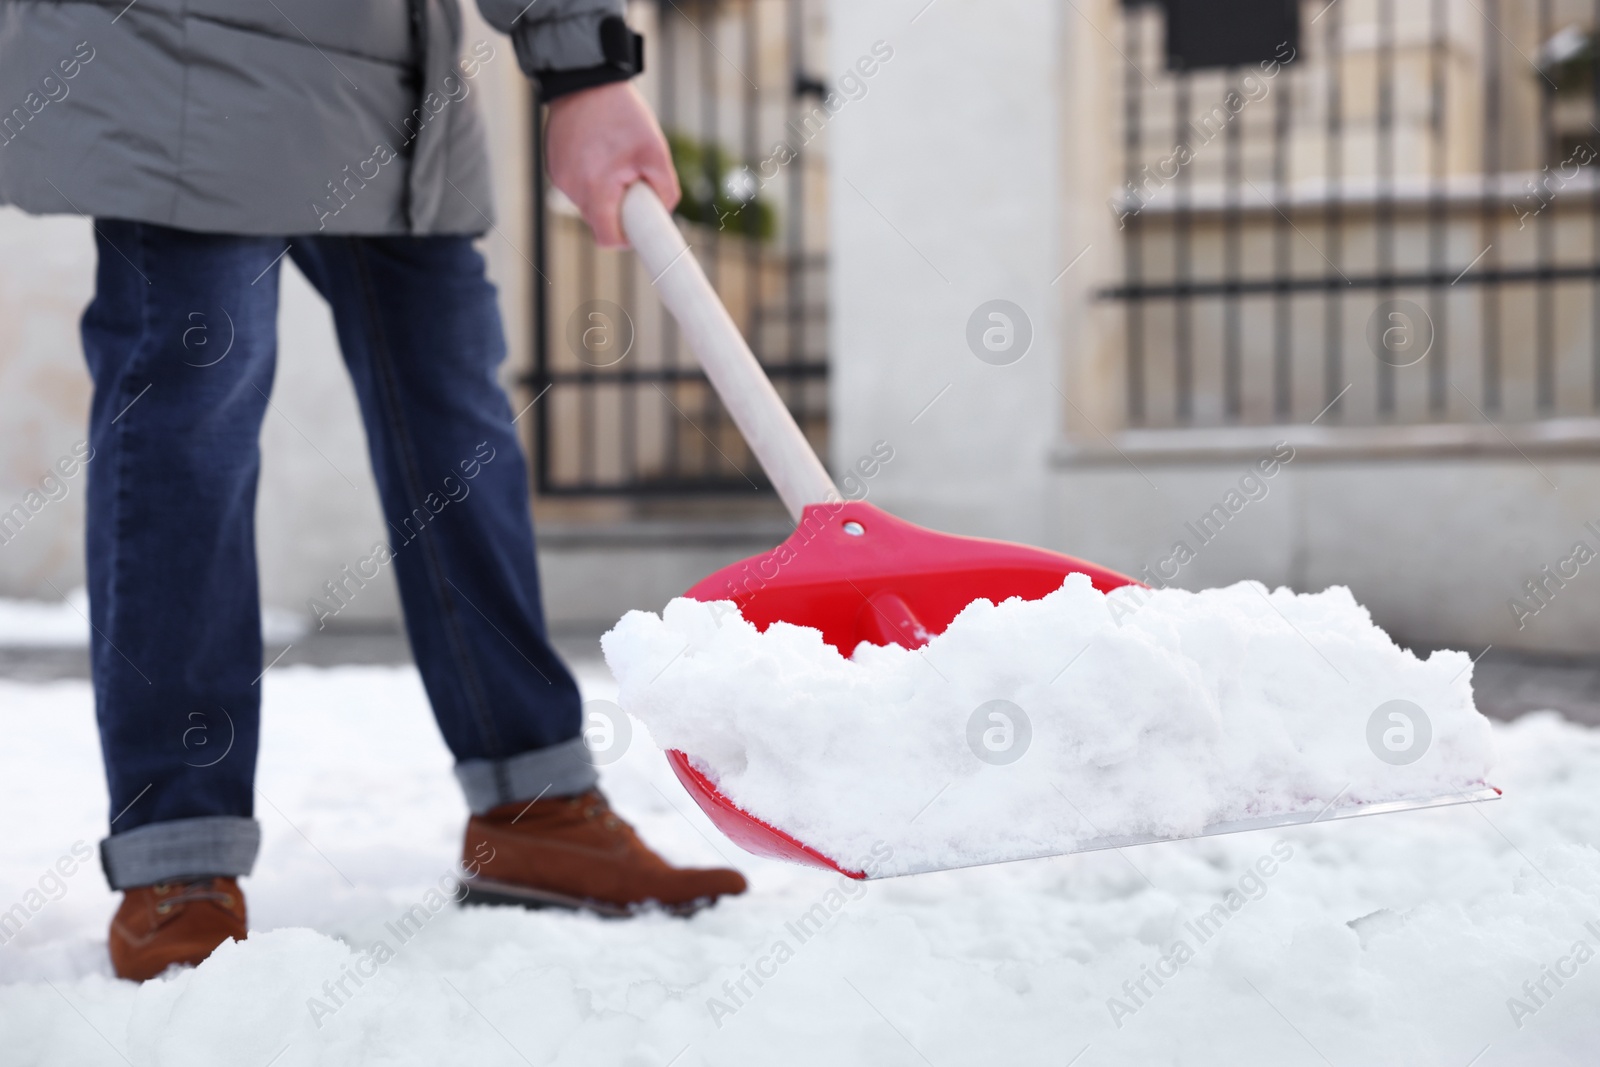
(850, 570)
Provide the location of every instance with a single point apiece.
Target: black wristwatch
(624, 57)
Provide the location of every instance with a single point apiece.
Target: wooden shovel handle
(773, 435)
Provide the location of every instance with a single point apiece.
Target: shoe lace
(598, 807)
(190, 892)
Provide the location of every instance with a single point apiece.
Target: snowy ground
(1392, 940)
(65, 623)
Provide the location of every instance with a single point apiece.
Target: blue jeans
(175, 428)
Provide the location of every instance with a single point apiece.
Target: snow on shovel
(857, 574)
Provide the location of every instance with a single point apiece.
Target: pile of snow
(65, 623)
(1032, 727)
(1438, 937)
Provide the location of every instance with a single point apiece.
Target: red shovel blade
(859, 574)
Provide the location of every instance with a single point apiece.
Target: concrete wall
(594, 573)
(1437, 547)
(317, 506)
(46, 275)
(945, 195)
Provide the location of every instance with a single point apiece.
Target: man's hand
(600, 141)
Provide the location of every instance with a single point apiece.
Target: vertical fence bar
(627, 296)
(794, 234)
(1594, 223)
(630, 391)
(1490, 207)
(586, 390)
(1383, 214)
(1544, 326)
(749, 210)
(1232, 236)
(671, 460)
(1182, 221)
(711, 261)
(1133, 238)
(542, 381)
(1438, 232)
(1332, 219)
(795, 252)
(1283, 265)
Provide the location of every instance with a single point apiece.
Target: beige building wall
(46, 276)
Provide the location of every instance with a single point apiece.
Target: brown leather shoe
(174, 922)
(573, 852)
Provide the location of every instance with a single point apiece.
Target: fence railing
(623, 409)
(1390, 215)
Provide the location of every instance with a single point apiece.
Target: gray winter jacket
(265, 116)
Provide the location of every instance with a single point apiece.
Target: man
(210, 139)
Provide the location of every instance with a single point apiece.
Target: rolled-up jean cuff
(209, 846)
(562, 770)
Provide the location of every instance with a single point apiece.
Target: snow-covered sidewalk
(1465, 935)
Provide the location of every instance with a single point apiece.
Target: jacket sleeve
(553, 36)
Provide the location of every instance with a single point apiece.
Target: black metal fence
(1379, 211)
(622, 408)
